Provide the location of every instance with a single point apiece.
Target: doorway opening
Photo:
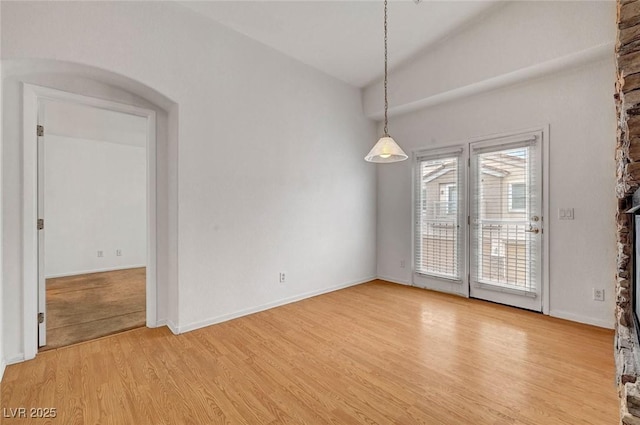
(92, 203)
(90, 258)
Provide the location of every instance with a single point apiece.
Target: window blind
(438, 209)
(504, 205)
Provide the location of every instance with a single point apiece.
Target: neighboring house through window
(448, 198)
(517, 196)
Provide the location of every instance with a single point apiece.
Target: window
(517, 197)
(448, 198)
(437, 199)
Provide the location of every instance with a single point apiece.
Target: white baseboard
(107, 269)
(394, 280)
(230, 316)
(15, 359)
(159, 323)
(3, 366)
(173, 327)
(405, 283)
(608, 324)
(168, 323)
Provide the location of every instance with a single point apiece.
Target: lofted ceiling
(344, 38)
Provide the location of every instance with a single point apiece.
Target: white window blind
(437, 214)
(504, 210)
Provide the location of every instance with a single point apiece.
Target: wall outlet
(100, 254)
(402, 264)
(118, 253)
(598, 294)
(283, 277)
(565, 214)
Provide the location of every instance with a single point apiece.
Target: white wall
(270, 174)
(95, 200)
(578, 106)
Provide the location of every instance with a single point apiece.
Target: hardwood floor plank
(376, 353)
(89, 306)
(80, 332)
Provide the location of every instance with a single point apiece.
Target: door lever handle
(532, 230)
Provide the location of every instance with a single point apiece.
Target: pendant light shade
(386, 150)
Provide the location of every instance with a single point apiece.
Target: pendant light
(386, 150)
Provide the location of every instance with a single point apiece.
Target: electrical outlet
(598, 294)
(402, 264)
(100, 254)
(565, 214)
(283, 277)
(118, 253)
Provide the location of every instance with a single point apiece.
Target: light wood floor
(376, 353)
(90, 306)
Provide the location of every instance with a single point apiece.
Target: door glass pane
(501, 229)
(438, 232)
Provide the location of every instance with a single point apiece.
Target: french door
(478, 222)
(505, 225)
(440, 215)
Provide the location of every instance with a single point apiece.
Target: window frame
(511, 198)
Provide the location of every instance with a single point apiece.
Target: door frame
(32, 96)
(503, 295)
(545, 130)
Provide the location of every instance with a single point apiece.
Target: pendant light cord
(386, 101)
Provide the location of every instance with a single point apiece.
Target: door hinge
(469, 162)
(40, 130)
(40, 317)
(469, 220)
(40, 223)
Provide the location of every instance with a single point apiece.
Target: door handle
(532, 230)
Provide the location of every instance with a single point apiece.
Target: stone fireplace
(627, 156)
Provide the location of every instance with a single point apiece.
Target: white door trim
(32, 95)
(42, 283)
(546, 299)
(546, 141)
(493, 291)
